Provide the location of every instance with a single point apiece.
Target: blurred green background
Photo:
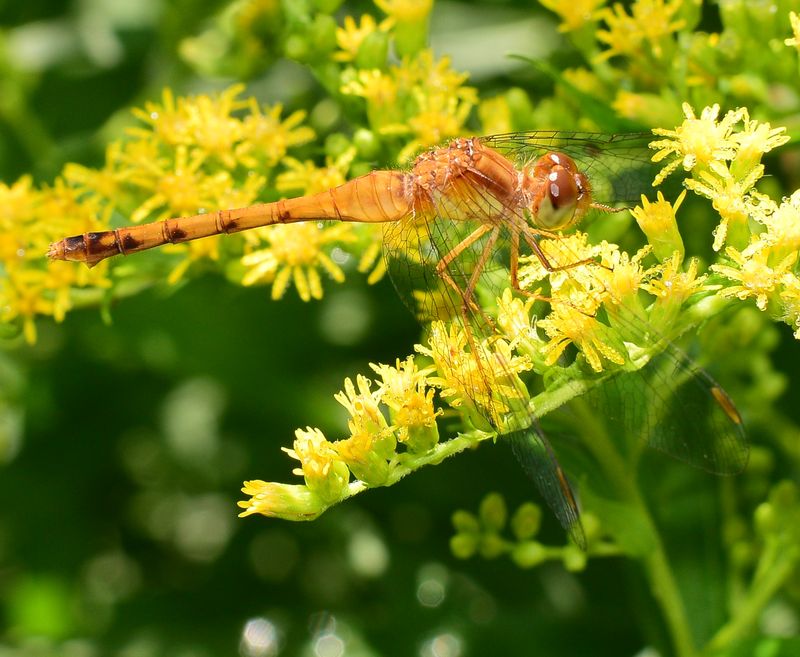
(124, 444)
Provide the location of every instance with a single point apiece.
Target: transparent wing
(540, 464)
(619, 166)
(677, 408)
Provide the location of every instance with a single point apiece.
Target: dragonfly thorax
(555, 192)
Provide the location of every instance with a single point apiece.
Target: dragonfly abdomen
(376, 197)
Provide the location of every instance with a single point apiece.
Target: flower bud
(289, 502)
(493, 512)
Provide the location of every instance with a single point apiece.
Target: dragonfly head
(559, 194)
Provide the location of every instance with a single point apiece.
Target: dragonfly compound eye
(559, 193)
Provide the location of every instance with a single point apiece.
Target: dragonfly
(461, 213)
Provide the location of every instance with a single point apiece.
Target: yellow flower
(795, 40)
(376, 87)
(422, 96)
(311, 179)
(752, 141)
(437, 119)
(173, 189)
(481, 376)
(406, 11)
(514, 317)
(371, 256)
(165, 120)
(289, 502)
(19, 207)
(650, 21)
(363, 407)
(782, 223)
(574, 15)
(726, 164)
(211, 128)
(697, 141)
(294, 255)
(361, 455)
(204, 123)
(657, 221)
(433, 75)
(29, 220)
(622, 275)
(728, 197)
(324, 472)
(22, 297)
(371, 446)
(295, 251)
(566, 325)
(267, 138)
(404, 389)
(352, 35)
(758, 279)
(104, 182)
(672, 287)
(790, 302)
(578, 293)
(562, 252)
(674, 284)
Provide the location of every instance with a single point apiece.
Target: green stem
(657, 568)
(762, 591)
(665, 589)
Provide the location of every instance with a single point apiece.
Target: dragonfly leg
(481, 263)
(530, 239)
(514, 260)
(514, 270)
(458, 249)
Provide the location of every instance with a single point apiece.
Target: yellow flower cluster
(651, 23)
(189, 155)
(479, 376)
(186, 156)
(30, 219)
(202, 153)
(760, 237)
(370, 453)
(611, 281)
(352, 35)
(422, 99)
(574, 15)
(598, 307)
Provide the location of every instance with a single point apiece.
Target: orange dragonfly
(450, 221)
